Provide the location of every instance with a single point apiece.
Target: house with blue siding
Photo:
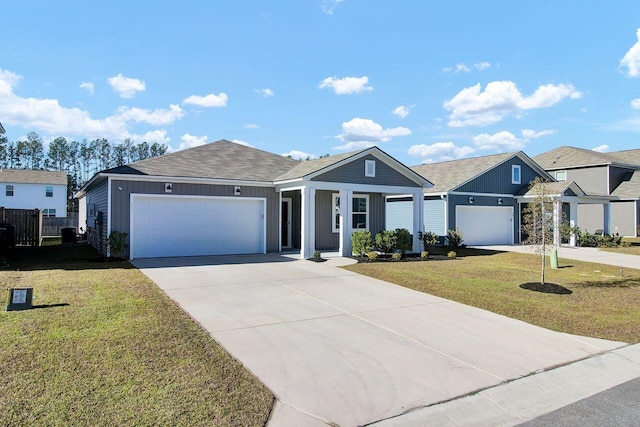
(478, 195)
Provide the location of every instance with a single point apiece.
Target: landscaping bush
(404, 241)
(424, 254)
(316, 255)
(454, 237)
(589, 240)
(386, 241)
(361, 242)
(372, 255)
(396, 257)
(452, 254)
(117, 243)
(428, 239)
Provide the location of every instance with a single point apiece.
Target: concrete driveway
(343, 349)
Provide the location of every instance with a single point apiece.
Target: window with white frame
(561, 175)
(48, 191)
(48, 213)
(370, 168)
(515, 174)
(359, 212)
(9, 191)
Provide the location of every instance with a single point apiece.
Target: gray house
(226, 198)
(615, 177)
(479, 196)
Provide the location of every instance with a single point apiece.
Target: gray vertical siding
(591, 180)
(591, 217)
(623, 219)
(97, 235)
(353, 172)
(121, 191)
(498, 179)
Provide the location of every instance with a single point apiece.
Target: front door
(285, 209)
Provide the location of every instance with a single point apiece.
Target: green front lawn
(601, 304)
(633, 249)
(106, 347)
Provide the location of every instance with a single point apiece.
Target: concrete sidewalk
(338, 348)
(577, 253)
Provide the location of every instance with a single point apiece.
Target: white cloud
(346, 85)
(47, 115)
(402, 111)
(501, 142)
(251, 126)
(159, 136)
(211, 100)
(126, 87)
(241, 142)
(87, 86)
(482, 65)
(601, 148)
(635, 104)
(266, 92)
(532, 134)
(473, 107)
(190, 141)
(328, 6)
(462, 68)
(362, 133)
(447, 69)
(440, 151)
(631, 59)
(299, 155)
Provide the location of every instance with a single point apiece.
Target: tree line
(80, 160)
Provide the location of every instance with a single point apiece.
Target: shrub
(396, 257)
(424, 254)
(454, 237)
(428, 239)
(404, 241)
(117, 243)
(316, 255)
(372, 255)
(386, 241)
(361, 242)
(452, 254)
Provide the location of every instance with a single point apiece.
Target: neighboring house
(614, 176)
(226, 198)
(34, 189)
(476, 195)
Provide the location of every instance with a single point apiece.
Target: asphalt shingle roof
(310, 166)
(629, 189)
(571, 157)
(447, 176)
(550, 188)
(27, 176)
(627, 156)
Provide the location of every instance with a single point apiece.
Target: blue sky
(425, 81)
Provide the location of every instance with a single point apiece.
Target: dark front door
(285, 227)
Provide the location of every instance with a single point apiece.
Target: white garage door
(164, 226)
(485, 225)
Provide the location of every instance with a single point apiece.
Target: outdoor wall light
(236, 190)
(471, 200)
(499, 201)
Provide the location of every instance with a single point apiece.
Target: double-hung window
(48, 191)
(359, 212)
(9, 191)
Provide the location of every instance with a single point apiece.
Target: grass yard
(106, 347)
(634, 249)
(601, 303)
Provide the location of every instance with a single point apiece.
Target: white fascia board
(363, 188)
(187, 180)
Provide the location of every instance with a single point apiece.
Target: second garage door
(166, 226)
(485, 225)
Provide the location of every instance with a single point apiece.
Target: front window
(359, 212)
(49, 191)
(48, 213)
(9, 191)
(515, 174)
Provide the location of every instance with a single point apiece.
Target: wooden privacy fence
(27, 222)
(52, 226)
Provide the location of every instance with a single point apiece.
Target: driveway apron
(339, 348)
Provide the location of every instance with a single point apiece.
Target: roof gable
(28, 176)
(554, 189)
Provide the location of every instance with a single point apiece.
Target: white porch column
(573, 221)
(346, 207)
(557, 214)
(308, 226)
(607, 218)
(418, 220)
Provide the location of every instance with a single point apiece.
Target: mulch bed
(547, 288)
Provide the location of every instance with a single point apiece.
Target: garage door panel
(485, 225)
(186, 226)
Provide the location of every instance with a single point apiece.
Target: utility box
(20, 299)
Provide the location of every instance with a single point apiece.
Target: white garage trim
(485, 225)
(253, 240)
